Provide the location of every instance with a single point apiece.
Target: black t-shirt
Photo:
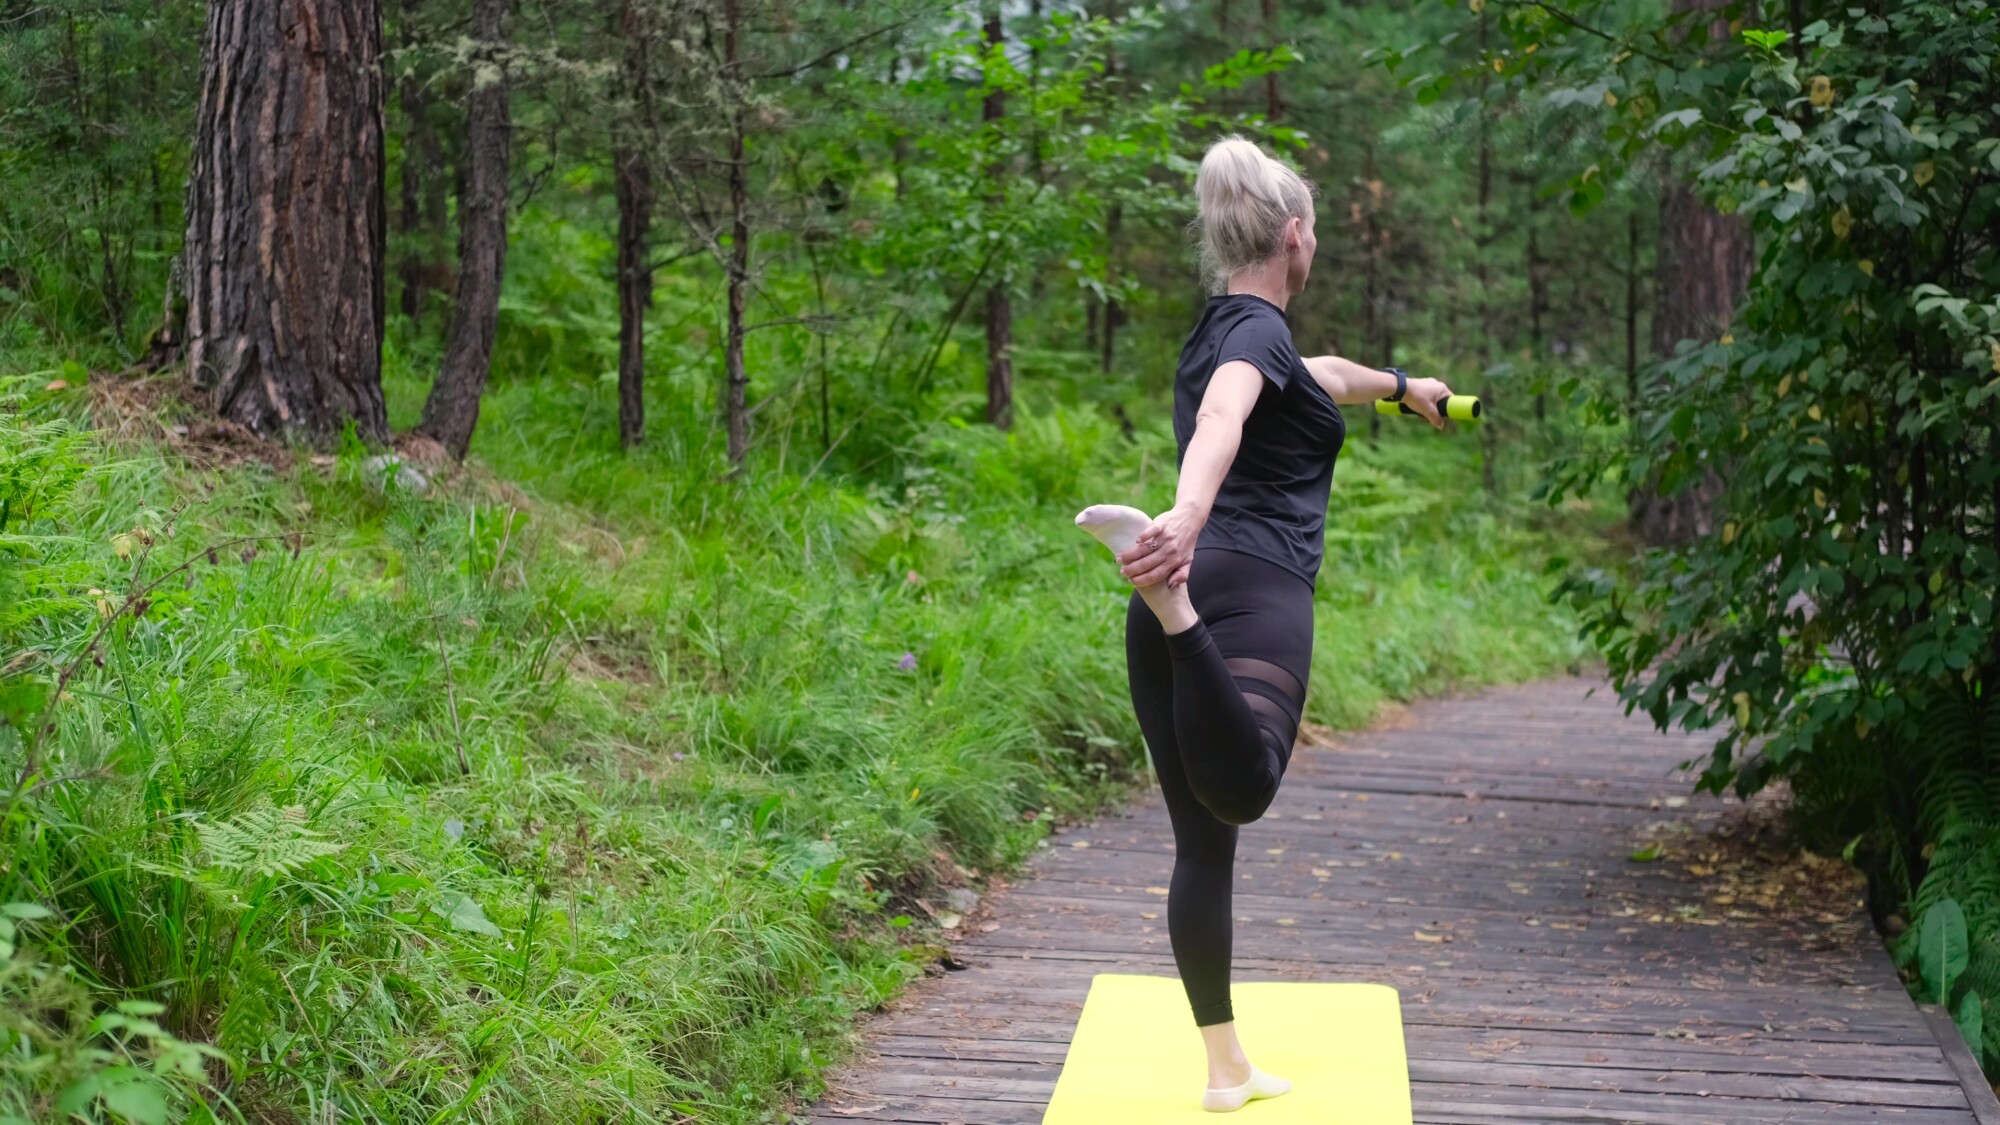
(1272, 503)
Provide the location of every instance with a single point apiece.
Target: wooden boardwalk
(1476, 857)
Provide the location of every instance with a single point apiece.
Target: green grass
(592, 786)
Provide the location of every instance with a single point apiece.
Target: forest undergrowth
(584, 785)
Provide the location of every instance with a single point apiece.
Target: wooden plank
(1958, 1055)
(1501, 823)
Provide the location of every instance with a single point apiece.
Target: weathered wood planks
(1476, 858)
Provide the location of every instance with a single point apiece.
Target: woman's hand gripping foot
(1153, 554)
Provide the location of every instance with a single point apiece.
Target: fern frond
(264, 842)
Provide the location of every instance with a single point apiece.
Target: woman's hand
(1165, 549)
(1423, 396)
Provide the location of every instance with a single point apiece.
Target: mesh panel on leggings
(1273, 693)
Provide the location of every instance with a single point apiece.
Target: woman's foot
(1114, 525)
(1117, 527)
(1228, 1099)
(1232, 1081)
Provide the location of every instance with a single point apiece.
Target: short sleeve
(1266, 344)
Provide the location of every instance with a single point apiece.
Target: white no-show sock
(1114, 525)
(1232, 1098)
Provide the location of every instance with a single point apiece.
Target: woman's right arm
(1218, 431)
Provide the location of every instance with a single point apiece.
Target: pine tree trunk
(421, 169)
(999, 308)
(635, 288)
(285, 218)
(736, 388)
(1114, 313)
(1489, 444)
(452, 411)
(1274, 102)
(1701, 269)
(633, 185)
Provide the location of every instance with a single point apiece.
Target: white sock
(1114, 525)
(1232, 1098)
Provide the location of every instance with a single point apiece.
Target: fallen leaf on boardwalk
(1322, 872)
(1156, 890)
(988, 927)
(1422, 936)
(948, 919)
(1647, 854)
(1274, 851)
(1079, 843)
(1148, 915)
(1287, 922)
(850, 1111)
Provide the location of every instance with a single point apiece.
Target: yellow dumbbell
(1465, 408)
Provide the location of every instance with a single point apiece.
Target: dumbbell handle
(1465, 408)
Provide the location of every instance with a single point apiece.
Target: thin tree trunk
(420, 167)
(632, 173)
(1632, 315)
(1701, 269)
(736, 390)
(999, 308)
(634, 188)
(1372, 312)
(1538, 294)
(452, 410)
(285, 217)
(1274, 102)
(1489, 449)
(1114, 313)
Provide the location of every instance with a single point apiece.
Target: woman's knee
(1240, 801)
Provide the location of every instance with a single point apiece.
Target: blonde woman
(1218, 634)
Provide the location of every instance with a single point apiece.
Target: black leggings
(1219, 705)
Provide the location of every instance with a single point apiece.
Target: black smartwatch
(1402, 383)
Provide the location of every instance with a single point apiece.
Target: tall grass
(590, 786)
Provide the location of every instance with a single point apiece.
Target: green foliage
(1838, 624)
(598, 795)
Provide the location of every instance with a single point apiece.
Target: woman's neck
(1266, 281)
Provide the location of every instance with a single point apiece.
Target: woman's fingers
(1157, 567)
(1150, 541)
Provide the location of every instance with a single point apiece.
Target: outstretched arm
(1166, 547)
(1347, 381)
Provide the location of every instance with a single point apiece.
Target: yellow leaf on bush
(1842, 222)
(1821, 91)
(1925, 173)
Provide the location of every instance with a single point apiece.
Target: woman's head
(1253, 209)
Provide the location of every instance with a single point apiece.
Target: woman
(1218, 635)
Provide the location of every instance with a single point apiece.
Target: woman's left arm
(1347, 382)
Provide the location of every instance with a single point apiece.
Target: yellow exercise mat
(1137, 1057)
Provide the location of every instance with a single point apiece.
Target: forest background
(535, 575)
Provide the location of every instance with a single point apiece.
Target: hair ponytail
(1244, 197)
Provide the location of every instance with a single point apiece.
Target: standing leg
(1199, 907)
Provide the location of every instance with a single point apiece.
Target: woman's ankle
(1171, 605)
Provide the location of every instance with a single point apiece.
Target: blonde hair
(1244, 197)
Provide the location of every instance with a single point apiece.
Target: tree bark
(452, 411)
(737, 380)
(421, 213)
(999, 308)
(285, 218)
(1274, 102)
(1114, 313)
(633, 186)
(1701, 268)
(634, 189)
(1489, 443)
